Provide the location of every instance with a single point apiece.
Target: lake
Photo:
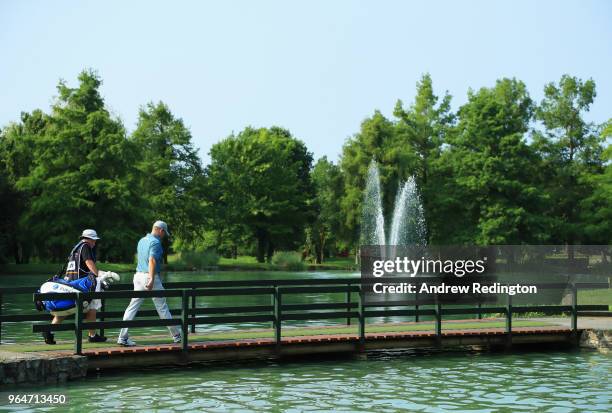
(384, 382)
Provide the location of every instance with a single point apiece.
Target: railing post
(185, 319)
(479, 307)
(273, 304)
(102, 309)
(509, 320)
(277, 315)
(193, 307)
(416, 306)
(361, 316)
(348, 302)
(438, 319)
(78, 325)
(0, 317)
(574, 308)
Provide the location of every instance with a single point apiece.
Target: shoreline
(51, 268)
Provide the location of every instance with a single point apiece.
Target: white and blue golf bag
(63, 307)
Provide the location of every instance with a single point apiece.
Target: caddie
(81, 262)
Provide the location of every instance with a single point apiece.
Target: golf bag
(63, 307)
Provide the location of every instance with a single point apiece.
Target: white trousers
(140, 280)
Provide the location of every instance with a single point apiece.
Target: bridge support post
(273, 305)
(277, 316)
(0, 317)
(574, 309)
(185, 320)
(102, 309)
(438, 321)
(78, 325)
(509, 321)
(348, 304)
(575, 337)
(361, 319)
(193, 307)
(416, 307)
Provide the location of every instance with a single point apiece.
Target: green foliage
(17, 141)
(199, 259)
(259, 184)
(376, 140)
(425, 127)
(5, 219)
(502, 170)
(289, 260)
(560, 111)
(323, 232)
(407, 147)
(571, 154)
(171, 175)
(596, 208)
(73, 168)
(493, 196)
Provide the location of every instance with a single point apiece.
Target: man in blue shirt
(150, 255)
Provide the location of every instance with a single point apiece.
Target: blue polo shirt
(149, 246)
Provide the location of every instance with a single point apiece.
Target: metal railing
(278, 311)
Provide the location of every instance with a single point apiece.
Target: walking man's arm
(151, 279)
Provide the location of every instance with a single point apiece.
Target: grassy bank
(248, 263)
(599, 296)
(52, 268)
(242, 263)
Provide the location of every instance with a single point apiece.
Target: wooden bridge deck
(116, 357)
(322, 339)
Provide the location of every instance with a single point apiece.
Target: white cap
(90, 233)
(162, 225)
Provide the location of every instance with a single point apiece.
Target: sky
(317, 68)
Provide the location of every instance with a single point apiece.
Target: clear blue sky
(317, 68)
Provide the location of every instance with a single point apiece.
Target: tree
(596, 209)
(171, 174)
(262, 184)
(570, 148)
(424, 127)
(17, 141)
(327, 180)
(7, 207)
(80, 175)
(492, 197)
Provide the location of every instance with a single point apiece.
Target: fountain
(373, 221)
(408, 221)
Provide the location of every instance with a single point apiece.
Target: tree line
(502, 169)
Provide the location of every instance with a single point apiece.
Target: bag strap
(61, 272)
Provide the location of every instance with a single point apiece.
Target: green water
(385, 382)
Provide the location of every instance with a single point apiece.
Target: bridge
(354, 324)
